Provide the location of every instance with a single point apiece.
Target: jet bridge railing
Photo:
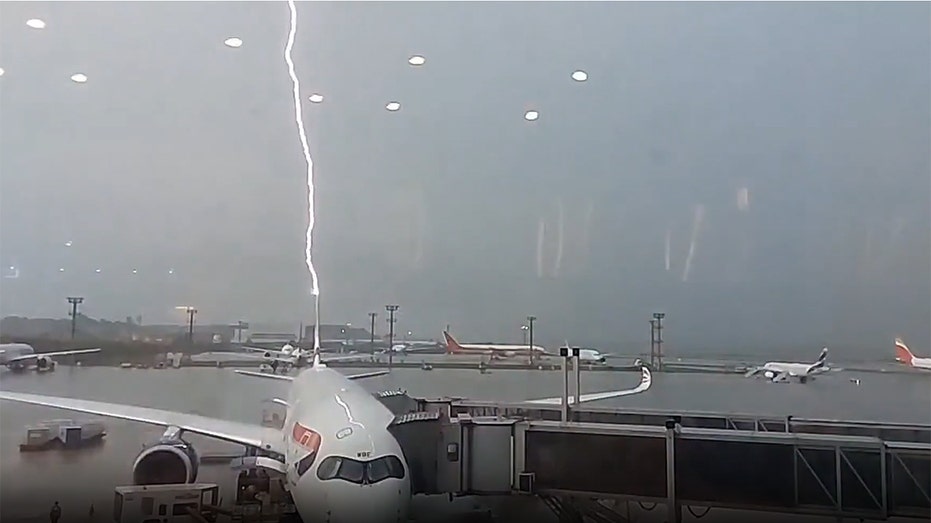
(840, 476)
(887, 431)
(908, 475)
(588, 414)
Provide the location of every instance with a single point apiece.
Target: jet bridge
(788, 472)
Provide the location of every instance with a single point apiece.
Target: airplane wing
(365, 375)
(646, 380)
(27, 357)
(325, 358)
(291, 378)
(233, 431)
(274, 352)
(280, 377)
(752, 372)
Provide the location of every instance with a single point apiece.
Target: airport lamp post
(191, 311)
(530, 320)
(658, 316)
(74, 301)
(391, 319)
(652, 343)
(372, 316)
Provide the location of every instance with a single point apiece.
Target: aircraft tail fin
(452, 346)
(821, 361)
(902, 352)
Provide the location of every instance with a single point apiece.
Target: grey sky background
(182, 154)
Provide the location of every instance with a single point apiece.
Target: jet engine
(170, 460)
(44, 364)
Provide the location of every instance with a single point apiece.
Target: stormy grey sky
(181, 154)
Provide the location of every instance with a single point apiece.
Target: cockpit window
(384, 468)
(304, 464)
(354, 471)
(328, 468)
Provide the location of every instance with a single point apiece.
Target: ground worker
(55, 514)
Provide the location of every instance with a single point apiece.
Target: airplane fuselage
(592, 357)
(792, 369)
(343, 465)
(921, 363)
(500, 351)
(904, 355)
(11, 351)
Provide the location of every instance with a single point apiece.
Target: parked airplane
(779, 371)
(290, 356)
(409, 347)
(341, 464)
(904, 355)
(490, 349)
(19, 356)
(591, 356)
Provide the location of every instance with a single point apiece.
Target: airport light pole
(530, 320)
(391, 319)
(74, 301)
(372, 316)
(652, 343)
(658, 316)
(523, 331)
(191, 311)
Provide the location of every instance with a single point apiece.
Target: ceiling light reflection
(580, 76)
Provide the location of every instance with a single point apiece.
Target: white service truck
(164, 503)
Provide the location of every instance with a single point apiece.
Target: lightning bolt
(298, 118)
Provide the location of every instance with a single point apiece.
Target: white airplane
(491, 349)
(591, 356)
(904, 355)
(779, 371)
(409, 347)
(290, 356)
(19, 356)
(341, 464)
